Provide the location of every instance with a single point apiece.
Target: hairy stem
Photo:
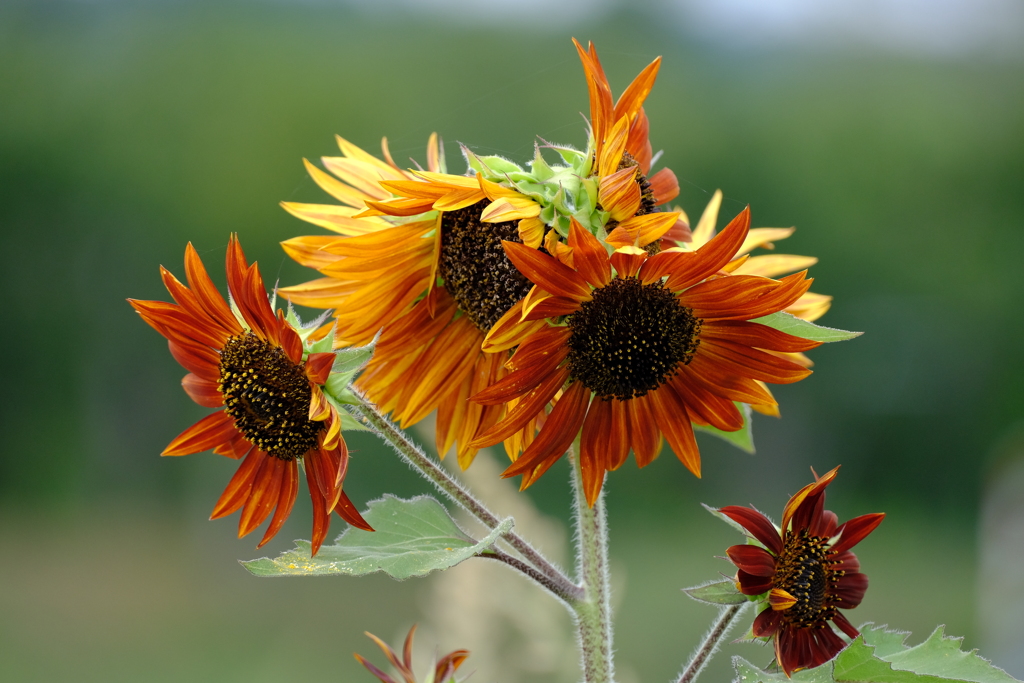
(568, 595)
(711, 642)
(446, 484)
(593, 612)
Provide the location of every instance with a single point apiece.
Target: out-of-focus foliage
(128, 128)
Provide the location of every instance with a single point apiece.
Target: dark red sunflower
(639, 346)
(444, 669)
(806, 572)
(253, 365)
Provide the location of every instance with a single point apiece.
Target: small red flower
(444, 670)
(807, 572)
(252, 365)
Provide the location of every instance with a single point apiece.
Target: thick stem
(593, 613)
(446, 484)
(711, 642)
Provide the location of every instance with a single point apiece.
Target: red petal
(211, 431)
(767, 623)
(756, 524)
(643, 430)
(206, 293)
(664, 185)
(854, 531)
(529, 407)
(321, 516)
(753, 585)
(850, 589)
(348, 512)
(752, 559)
(755, 334)
(844, 625)
(674, 422)
(196, 358)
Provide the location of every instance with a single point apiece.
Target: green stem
(593, 612)
(711, 642)
(558, 583)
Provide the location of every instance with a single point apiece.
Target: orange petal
(713, 255)
(664, 186)
(628, 260)
(558, 433)
(527, 408)
(674, 422)
(237, 490)
(289, 488)
(348, 512)
(205, 392)
(211, 431)
(546, 272)
(265, 492)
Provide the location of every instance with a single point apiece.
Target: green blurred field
(129, 128)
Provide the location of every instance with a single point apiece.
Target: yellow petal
(334, 187)
(308, 250)
(619, 193)
(335, 218)
(510, 209)
(531, 232)
(360, 175)
(650, 227)
(705, 229)
(615, 145)
(353, 152)
(763, 237)
(780, 599)
(772, 265)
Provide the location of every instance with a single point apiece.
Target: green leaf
(352, 358)
(412, 538)
(717, 593)
(880, 655)
(742, 438)
(798, 327)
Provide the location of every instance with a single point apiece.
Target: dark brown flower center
(630, 338)
(474, 266)
(268, 396)
(804, 570)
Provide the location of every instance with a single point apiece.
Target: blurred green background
(130, 128)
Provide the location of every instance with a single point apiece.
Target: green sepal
(879, 655)
(412, 538)
(352, 358)
(717, 593)
(539, 167)
(348, 422)
(798, 327)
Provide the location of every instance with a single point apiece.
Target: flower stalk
(712, 641)
(545, 573)
(593, 611)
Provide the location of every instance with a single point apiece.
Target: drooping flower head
(805, 572)
(254, 366)
(637, 346)
(444, 669)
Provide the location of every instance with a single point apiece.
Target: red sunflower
(639, 346)
(807, 572)
(252, 365)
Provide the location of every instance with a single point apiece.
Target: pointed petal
(559, 431)
(756, 524)
(286, 500)
(318, 367)
(714, 255)
(752, 559)
(854, 531)
(674, 423)
(209, 432)
(589, 256)
(705, 229)
(237, 490)
(780, 600)
(348, 512)
(546, 272)
(850, 589)
(767, 623)
(203, 391)
(265, 492)
(664, 186)
(753, 585)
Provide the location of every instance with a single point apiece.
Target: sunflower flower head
(803, 573)
(443, 670)
(639, 347)
(266, 376)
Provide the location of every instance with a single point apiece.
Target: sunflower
(806, 573)
(641, 352)
(252, 364)
(444, 668)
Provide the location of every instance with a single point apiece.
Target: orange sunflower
(805, 572)
(637, 346)
(250, 363)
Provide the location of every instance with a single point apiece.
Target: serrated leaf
(941, 656)
(880, 655)
(798, 327)
(412, 538)
(717, 593)
(742, 438)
